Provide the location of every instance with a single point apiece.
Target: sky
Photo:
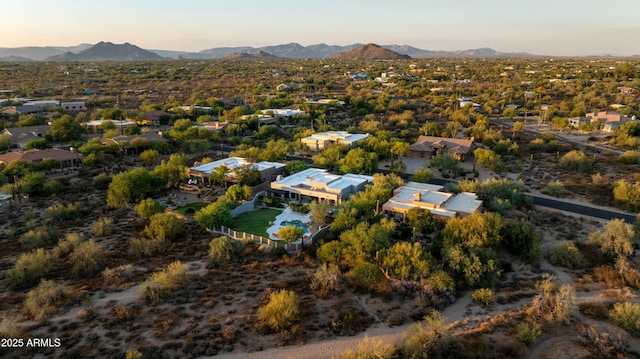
(541, 27)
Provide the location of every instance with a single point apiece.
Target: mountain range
(126, 51)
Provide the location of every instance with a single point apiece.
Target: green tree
(423, 175)
(616, 240)
(214, 215)
(236, 193)
(319, 212)
(478, 265)
(132, 186)
(65, 129)
(148, 207)
(6, 142)
(224, 249)
(149, 156)
(281, 311)
(488, 158)
(517, 128)
(290, 233)
(406, 261)
(358, 160)
(520, 237)
(576, 160)
(48, 164)
(444, 162)
(37, 144)
(296, 166)
(477, 230)
(164, 226)
(219, 175)
(328, 158)
(625, 193)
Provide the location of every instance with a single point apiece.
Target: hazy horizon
(544, 27)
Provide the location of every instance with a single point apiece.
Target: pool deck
(287, 215)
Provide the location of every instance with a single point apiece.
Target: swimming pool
(296, 223)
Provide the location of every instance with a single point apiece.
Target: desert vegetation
(116, 256)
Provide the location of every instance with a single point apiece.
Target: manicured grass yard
(196, 206)
(255, 222)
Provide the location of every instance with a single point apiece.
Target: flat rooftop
(233, 163)
(321, 179)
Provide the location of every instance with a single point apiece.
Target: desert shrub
(555, 303)
(616, 240)
(30, 268)
(365, 276)
(10, 232)
(370, 348)
(602, 344)
(230, 334)
(224, 249)
(164, 226)
(118, 275)
(483, 297)
(326, 279)
(38, 237)
(133, 354)
(555, 188)
(67, 244)
(86, 259)
(630, 157)
(44, 300)
(148, 207)
(427, 339)
(61, 212)
(520, 237)
(101, 181)
(144, 247)
(406, 261)
(528, 333)
(627, 316)
(566, 255)
(281, 311)
(103, 226)
(576, 160)
(9, 327)
(441, 280)
(162, 284)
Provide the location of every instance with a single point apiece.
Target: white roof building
(319, 184)
(284, 112)
(268, 170)
(430, 197)
(321, 140)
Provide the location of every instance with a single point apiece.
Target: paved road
(564, 205)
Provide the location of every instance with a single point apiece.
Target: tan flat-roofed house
(443, 205)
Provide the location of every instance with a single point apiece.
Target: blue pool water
(296, 223)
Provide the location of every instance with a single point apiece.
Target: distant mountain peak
(108, 51)
(371, 52)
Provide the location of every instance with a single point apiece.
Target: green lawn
(255, 222)
(196, 206)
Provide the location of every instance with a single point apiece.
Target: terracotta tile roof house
(36, 156)
(428, 146)
(22, 135)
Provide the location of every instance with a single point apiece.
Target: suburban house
(35, 156)
(318, 184)
(429, 146)
(321, 140)
(153, 118)
(73, 106)
(267, 171)
(23, 135)
(21, 110)
(442, 205)
(577, 121)
(94, 124)
(43, 104)
(283, 112)
(215, 126)
(610, 120)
